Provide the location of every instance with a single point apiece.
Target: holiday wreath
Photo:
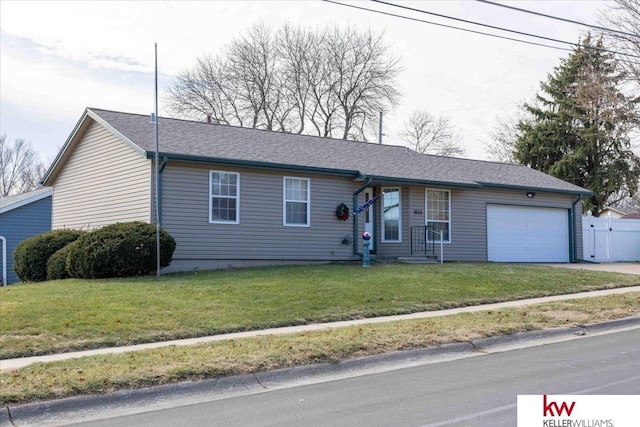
(342, 212)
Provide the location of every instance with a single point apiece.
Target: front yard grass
(58, 316)
(107, 373)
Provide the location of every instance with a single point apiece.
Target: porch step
(429, 259)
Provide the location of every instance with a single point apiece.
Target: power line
(447, 26)
(497, 28)
(558, 18)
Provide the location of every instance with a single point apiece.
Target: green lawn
(108, 373)
(68, 315)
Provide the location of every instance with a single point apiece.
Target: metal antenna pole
(157, 173)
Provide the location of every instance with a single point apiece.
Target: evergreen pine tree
(581, 126)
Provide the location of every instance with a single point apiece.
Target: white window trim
(426, 206)
(384, 237)
(237, 221)
(284, 201)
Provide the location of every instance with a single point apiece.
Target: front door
(368, 217)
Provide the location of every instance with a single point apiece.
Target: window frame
(382, 216)
(426, 213)
(236, 197)
(285, 201)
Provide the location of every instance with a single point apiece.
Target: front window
(296, 201)
(391, 219)
(438, 217)
(224, 196)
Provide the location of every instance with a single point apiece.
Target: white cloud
(60, 57)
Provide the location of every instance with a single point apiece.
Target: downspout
(366, 184)
(4, 261)
(163, 165)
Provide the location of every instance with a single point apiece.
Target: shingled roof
(199, 141)
(9, 203)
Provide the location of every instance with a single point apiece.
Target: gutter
(579, 193)
(4, 261)
(255, 164)
(366, 184)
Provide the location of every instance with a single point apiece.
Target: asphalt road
(473, 391)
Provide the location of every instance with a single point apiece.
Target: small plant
(119, 250)
(31, 255)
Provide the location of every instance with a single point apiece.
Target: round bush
(119, 250)
(57, 264)
(31, 255)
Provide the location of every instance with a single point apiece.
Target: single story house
(21, 216)
(234, 196)
(619, 213)
(615, 213)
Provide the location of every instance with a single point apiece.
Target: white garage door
(527, 234)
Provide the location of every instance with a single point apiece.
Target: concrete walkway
(611, 267)
(10, 364)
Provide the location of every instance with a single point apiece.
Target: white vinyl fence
(610, 240)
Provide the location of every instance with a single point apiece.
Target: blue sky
(59, 57)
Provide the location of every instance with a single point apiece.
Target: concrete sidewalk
(611, 267)
(10, 364)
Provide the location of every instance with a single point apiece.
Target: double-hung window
(391, 215)
(438, 218)
(224, 197)
(296, 201)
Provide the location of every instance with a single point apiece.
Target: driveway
(613, 267)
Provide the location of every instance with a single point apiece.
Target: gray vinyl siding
(468, 213)
(469, 216)
(577, 218)
(103, 181)
(260, 233)
(21, 223)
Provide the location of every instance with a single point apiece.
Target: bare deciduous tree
(20, 167)
(331, 82)
(505, 134)
(430, 134)
(623, 16)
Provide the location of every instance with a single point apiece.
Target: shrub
(31, 255)
(119, 250)
(57, 264)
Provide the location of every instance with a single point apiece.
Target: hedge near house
(119, 250)
(31, 255)
(57, 264)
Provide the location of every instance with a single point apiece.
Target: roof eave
(582, 191)
(389, 179)
(33, 199)
(61, 154)
(63, 150)
(253, 164)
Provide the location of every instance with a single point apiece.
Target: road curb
(87, 407)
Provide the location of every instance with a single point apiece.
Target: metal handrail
(439, 233)
(422, 240)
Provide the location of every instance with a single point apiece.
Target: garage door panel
(527, 234)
